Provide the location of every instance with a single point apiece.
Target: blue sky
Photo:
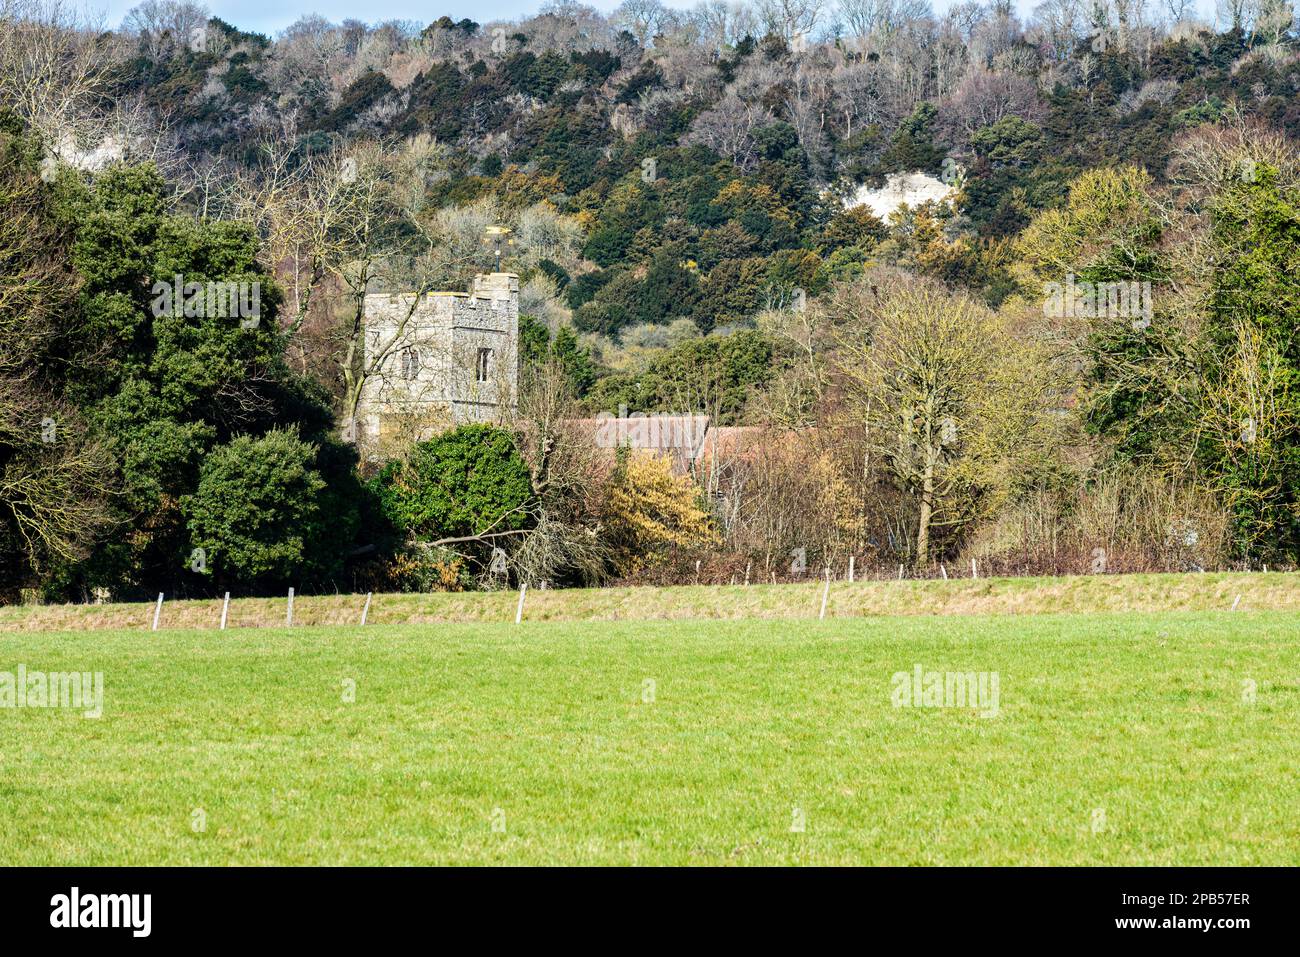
(271, 18)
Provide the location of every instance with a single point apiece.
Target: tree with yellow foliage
(1108, 230)
(651, 513)
(951, 401)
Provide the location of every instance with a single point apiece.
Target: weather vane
(498, 235)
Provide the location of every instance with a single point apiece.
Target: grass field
(1120, 738)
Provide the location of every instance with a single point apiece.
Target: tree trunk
(927, 511)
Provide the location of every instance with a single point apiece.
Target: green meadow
(1139, 738)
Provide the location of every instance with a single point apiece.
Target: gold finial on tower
(499, 235)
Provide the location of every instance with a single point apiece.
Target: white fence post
(157, 611)
(519, 610)
(225, 608)
(366, 611)
(943, 571)
(288, 617)
(973, 572)
(850, 568)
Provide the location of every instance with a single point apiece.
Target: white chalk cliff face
(111, 149)
(910, 188)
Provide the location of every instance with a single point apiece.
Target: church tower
(441, 361)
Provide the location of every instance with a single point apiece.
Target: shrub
(654, 514)
(467, 482)
(256, 510)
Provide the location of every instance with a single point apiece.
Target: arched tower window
(410, 362)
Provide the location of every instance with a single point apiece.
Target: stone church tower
(448, 359)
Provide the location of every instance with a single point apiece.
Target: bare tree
(381, 188)
(858, 99)
(1274, 20)
(720, 23)
(1062, 24)
(880, 18)
(1248, 413)
(791, 20)
(302, 59)
(306, 211)
(947, 406)
(1234, 14)
(53, 69)
(642, 18)
(985, 96)
(809, 100)
(166, 27)
(54, 480)
(340, 224)
(567, 472)
(728, 127)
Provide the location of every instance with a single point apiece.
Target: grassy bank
(993, 596)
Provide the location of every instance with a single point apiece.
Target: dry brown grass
(992, 596)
